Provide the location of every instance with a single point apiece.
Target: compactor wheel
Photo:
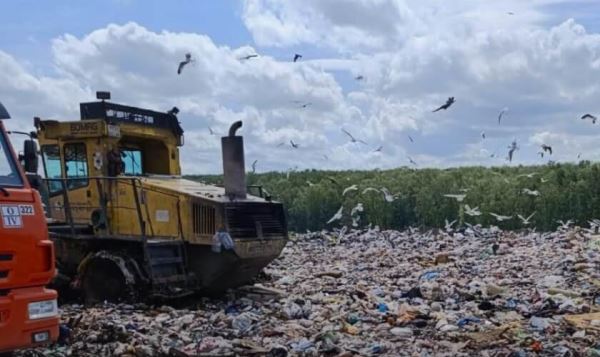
(102, 281)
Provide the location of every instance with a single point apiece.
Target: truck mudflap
(17, 330)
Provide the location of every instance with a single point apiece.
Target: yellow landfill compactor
(126, 225)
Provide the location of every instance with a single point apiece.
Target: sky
(374, 68)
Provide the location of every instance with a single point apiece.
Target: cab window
(76, 168)
(132, 161)
(51, 157)
(9, 174)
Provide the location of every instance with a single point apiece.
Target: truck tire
(104, 280)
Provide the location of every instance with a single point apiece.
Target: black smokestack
(234, 169)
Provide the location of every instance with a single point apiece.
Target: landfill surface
(477, 292)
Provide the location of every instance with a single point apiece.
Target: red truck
(28, 310)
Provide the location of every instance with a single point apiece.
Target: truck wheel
(102, 281)
(6, 354)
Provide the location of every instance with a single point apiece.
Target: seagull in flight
(352, 138)
(547, 148)
(529, 192)
(254, 166)
(529, 175)
(337, 215)
(412, 161)
(359, 77)
(513, 146)
(247, 57)
(526, 221)
(510, 13)
(294, 145)
(589, 116)
(378, 149)
(502, 112)
(448, 225)
(387, 196)
(483, 134)
(349, 189)
(188, 59)
(369, 189)
(446, 105)
(500, 218)
(211, 131)
(325, 157)
(411, 139)
(297, 57)
(472, 211)
(458, 198)
(564, 225)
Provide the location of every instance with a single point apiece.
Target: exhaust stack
(234, 169)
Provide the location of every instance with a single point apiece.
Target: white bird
(337, 215)
(350, 188)
(543, 180)
(472, 211)
(458, 198)
(352, 138)
(412, 161)
(448, 226)
(211, 131)
(254, 166)
(564, 225)
(354, 213)
(310, 184)
(387, 195)
(501, 218)
(526, 221)
(530, 175)
(370, 189)
(529, 192)
(511, 150)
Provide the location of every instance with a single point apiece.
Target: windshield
(9, 175)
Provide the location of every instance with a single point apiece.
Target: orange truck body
(28, 312)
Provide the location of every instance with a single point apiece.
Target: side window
(132, 160)
(51, 157)
(76, 168)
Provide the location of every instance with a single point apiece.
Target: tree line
(554, 192)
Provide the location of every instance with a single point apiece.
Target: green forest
(415, 197)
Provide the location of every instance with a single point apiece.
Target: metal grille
(204, 219)
(260, 220)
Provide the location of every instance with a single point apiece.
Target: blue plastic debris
(382, 307)
(430, 275)
(467, 320)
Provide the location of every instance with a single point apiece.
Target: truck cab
(28, 311)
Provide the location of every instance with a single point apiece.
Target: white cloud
(412, 55)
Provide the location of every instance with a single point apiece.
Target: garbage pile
(369, 292)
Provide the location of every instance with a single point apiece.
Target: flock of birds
(512, 148)
(387, 196)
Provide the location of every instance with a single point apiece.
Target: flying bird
(589, 116)
(254, 166)
(529, 192)
(526, 221)
(510, 13)
(294, 145)
(188, 59)
(447, 105)
(529, 175)
(359, 77)
(472, 211)
(513, 146)
(483, 134)
(547, 148)
(502, 112)
(247, 57)
(500, 218)
(211, 131)
(337, 215)
(369, 189)
(411, 139)
(387, 196)
(448, 225)
(349, 189)
(564, 225)
(412, 161)
(326, 157)
(334, 181)
(379, 149)
(297, 57)
(280, 144)
(305, 105)
(356, 209)
(458, 198)
(352, 138)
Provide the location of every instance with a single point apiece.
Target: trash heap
(369, 292)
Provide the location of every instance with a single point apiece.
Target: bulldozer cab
(93, 165)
